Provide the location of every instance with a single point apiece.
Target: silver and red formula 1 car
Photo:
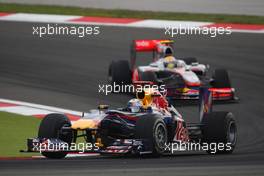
(181, 77)
(147, 125)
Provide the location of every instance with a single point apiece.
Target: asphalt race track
(65, 71)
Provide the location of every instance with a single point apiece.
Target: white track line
(41, 108)
(42, 18)
(156, 24)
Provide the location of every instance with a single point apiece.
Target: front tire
(220, 128)
(50, 127)
(152, 128)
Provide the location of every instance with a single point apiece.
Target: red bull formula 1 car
(180, 77)
(147, 125)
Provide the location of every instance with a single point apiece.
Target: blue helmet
(134, 105)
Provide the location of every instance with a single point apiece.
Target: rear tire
(154, 129)
(221, 79)
(50, 127)
(220, 128)
(119, 72)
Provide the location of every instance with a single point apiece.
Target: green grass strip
(45, 9)
(14, 131)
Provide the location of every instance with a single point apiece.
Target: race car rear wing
(146, 46)
(149, 45)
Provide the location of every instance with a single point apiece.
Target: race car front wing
(118, 146)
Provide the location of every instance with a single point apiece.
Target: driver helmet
(134, 105)
(170, 62)
(164, 51)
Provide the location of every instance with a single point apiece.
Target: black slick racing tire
(50, 127)
(152, 128)
(219, 131)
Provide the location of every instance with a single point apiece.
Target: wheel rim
(232, 133)
(160, 136)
